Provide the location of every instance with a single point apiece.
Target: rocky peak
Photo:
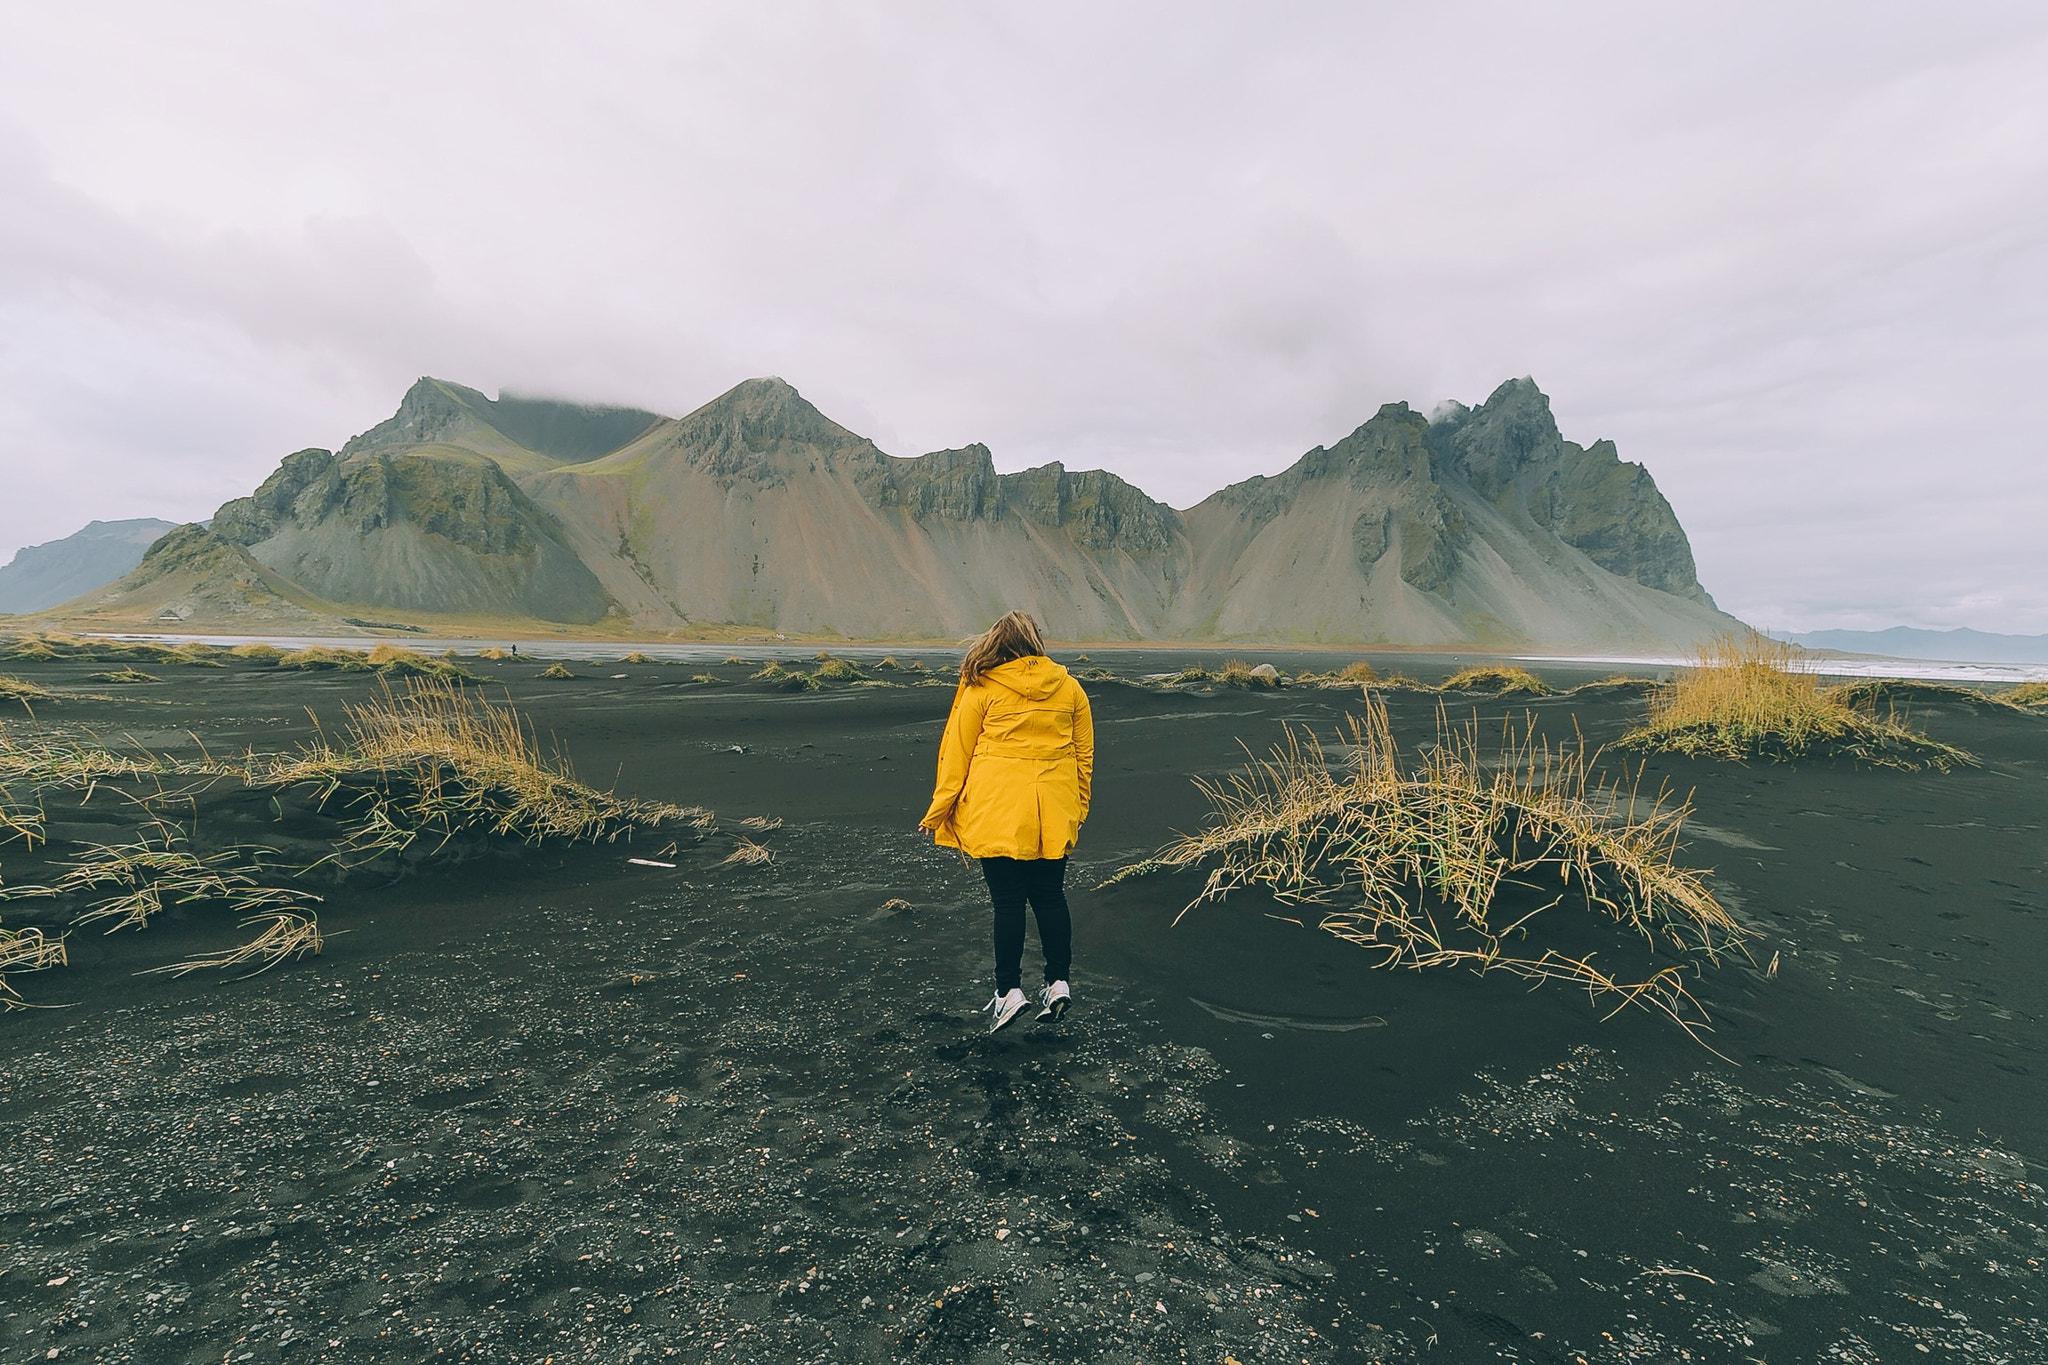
(432, 410)
(1491, 445)
(1100, 510)
(745, 429)
(956, 485)
(1509, 451)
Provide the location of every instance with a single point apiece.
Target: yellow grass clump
(493, 653)
(2027, 694)
(1459, 858)
(1238, 673)
(320, 657)
(432, 761)
(123, 675)
(636, 657)
(1359, 672)
(1496, 680)
(32, 647)
(555, 671)
(286, 935)
(26, 950)
(55, 764)
(23, 691)
(157, 870)
(20, 822)
(788, 679)
(193, 654)
(1744, 697)
(400, 662)
(1608, 686)
(257, 653)
(748, 853)
(837, 670)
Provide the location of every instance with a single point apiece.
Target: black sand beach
(547, 1104)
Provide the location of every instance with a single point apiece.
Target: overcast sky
(1792, 257)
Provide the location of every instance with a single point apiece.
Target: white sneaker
(1055, 999)
(1005, 1008)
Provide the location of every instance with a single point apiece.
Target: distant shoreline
(573, 647)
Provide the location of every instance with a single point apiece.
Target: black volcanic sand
(550, 1105)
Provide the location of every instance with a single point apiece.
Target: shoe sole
(1056, 1011)
(999, 1025)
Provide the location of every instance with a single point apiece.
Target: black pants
(1042, 882)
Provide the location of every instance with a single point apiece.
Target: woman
(1014, 773)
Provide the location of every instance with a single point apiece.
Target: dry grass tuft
(1744, 698)
(32, 647)
(763, 823)
(1238, 673)
(158, 870)
(837, 670)
(2027, 694)
(48, 763)
(23, 691)
(636, 657)
(286, 935)
(258, 654)
(1619, 683)
(1868, 694)
(787, 679)
(1359, 672)
(123, 675)
(1496, 681)
(193, 654)
(735, 661)
(493, 653)
(1411, 860)
(748, 853)
(20, 822)
(555, 671)
(321, 657)
(887, 664)
(433, 761)
(26, 950)
(410, 663)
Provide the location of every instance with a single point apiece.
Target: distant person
(1014, 773)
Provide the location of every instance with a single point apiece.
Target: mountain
(1483, 526)
(56, 571)
(1910, 642)
(1480, 526)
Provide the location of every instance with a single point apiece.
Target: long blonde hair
(1015, 636)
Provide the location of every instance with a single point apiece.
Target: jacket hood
(1034, 678)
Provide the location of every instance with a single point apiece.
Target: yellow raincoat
(1016, 764)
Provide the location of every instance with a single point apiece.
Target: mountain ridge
(54, 572)
(756, 511)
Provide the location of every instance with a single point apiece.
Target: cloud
(1788, 257)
